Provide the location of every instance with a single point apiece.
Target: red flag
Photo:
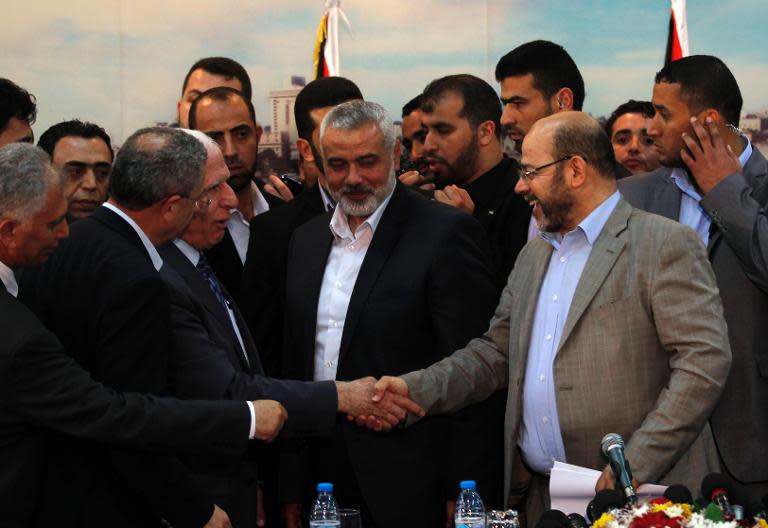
(677, 41)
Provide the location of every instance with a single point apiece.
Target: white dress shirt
(240, 228)
(9, 280)
(347, 254)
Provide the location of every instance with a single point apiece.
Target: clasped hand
(378, 405)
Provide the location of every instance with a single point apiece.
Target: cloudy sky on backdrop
(120, 63)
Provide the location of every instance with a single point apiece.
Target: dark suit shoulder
(18, 326)
(641, 182)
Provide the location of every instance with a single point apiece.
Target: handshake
(379, 405)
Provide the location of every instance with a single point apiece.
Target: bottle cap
(325, 486)
(468, 484)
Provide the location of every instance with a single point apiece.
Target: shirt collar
(157, 261)
(592, 225)
(683, 180)
(328, 203)
(260, 204)
(340, 224)
(9, 279)
(190, 252)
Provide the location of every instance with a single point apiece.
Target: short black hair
(322, 92)
(220, 93)
(551, 66)
(16, 102)
(225, 67)
(705, 82)
(630, 107)
(481, 103)
(76, 128)
(412, 105)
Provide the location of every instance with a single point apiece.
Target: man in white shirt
(387, 271)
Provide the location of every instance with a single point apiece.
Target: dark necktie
(213, 282)
(210, 277)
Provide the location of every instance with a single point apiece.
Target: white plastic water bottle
(470, 512)
(324, 514)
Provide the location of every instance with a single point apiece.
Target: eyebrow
(197, 93)
(76, 163)
(242, 126)
(513, 99)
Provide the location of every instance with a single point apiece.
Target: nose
(62, 231)
(353, 176)
(522, 187)
(634, 143)
(89, 180)
(227, 146)
(227, 198)
(508, 116)
(654, 130)
(430, 145)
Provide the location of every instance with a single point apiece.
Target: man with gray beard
(386, 283)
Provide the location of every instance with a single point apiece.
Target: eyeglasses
(202, 201)
(528, 175)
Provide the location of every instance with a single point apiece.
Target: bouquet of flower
(663, 513)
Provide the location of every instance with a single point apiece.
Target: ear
(578, 171)
(8, 235)
(486, 133)
(258, 131)
(169, 207)
(397, 152)
(562, 101)
(715, 115)
(304, 148)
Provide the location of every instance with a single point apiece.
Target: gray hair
(26, 175)
(353, 115)
(155, 163)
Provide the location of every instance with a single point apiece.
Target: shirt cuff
(252, 433)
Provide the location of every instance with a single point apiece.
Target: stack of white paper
(572, 487)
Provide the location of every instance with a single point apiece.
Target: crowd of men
(426, 309)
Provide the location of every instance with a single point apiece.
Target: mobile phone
(293, 182)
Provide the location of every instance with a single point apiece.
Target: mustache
(529, 197)
(509, 129)
(347, 189)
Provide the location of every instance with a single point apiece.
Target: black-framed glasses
(528, 175)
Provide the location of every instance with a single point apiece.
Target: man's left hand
(608, 481)
(710, 160)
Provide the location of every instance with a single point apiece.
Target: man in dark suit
(713, 180)
(41, 387)
(263, 284)
(394, 283)
(101, 294)
(214, 355)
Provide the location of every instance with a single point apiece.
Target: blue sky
(120, 63)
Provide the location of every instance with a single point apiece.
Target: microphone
(715, 487)
(678, 493)
(604, 501)
(613, 449)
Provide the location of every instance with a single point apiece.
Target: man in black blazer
(263, 284)
(214, 355)
(714, 180)
(101, 294)
(394, 274)
(41, 387)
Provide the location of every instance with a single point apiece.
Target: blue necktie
(205, 268)
(213, 282)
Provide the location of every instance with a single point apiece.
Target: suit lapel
(202, 291)
(601, 259)
(313, 255)
(665, 199)
(385, 238)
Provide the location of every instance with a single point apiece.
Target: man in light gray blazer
(611, 322)
(722, 194)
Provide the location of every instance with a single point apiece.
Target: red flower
(656, 520)
(659, 500)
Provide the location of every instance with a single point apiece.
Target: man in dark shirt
(461, 114)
